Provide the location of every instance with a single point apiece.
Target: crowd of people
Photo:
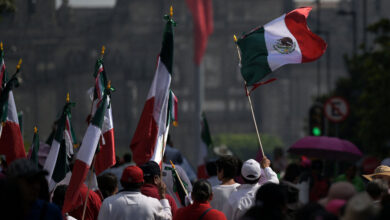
(238, 190)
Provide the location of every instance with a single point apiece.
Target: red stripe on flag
(145, 137)
(312, 46)
(72, 196)
(105, 158)
(11, 142)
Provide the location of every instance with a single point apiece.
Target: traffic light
(316, 120)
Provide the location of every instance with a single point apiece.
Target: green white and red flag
(285, 40)
(105, 156)
(150, 136)
(84, 157)
(33, 154)
(172, 108)
(57, 161)
(11, 141)
(206, 145)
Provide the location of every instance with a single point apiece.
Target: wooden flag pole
(250, 101)
(178, 177)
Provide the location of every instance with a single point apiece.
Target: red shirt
(152, 191)
(93, 205)
(194, 211)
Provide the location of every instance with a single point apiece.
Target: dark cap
(150, 169)
(24, 168)
(132, 174)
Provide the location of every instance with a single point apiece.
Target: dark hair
(107, 183)
(131, 186)
(150, 170)
(376, 188)
(229, 165)
(201, 191)
(313, 211)
(59, 195)
(211, 168)
(127, 158)
(292, 172)
(250, 181)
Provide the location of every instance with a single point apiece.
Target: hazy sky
(88, 3)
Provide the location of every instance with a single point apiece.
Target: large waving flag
(105, 157)
(202, 14)
(285, 40)
(148, 140)
(84, 157)
(57, 161)
(11, 141)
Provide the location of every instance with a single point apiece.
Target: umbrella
(326, 148)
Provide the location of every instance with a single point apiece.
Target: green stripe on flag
(98, 118)
(254, 64)
(62, 165)
(166, 53)
(35, 149)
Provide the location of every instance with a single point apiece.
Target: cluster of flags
(284, 40)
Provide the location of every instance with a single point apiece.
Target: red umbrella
(323, 147)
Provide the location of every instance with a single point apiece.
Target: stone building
(59, 46)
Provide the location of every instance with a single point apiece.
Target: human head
(202, 191)
(250, 171)
(151, 172)
(211, 168)
(292, 173)
(132, 178)
(273, 196)
(381, 172)
(108, 184)
(127, 158)
(377, 189)
(227, 167)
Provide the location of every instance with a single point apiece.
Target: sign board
(336, 109)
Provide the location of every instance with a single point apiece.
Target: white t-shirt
(221, 195)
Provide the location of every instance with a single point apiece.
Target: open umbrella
(323, 147)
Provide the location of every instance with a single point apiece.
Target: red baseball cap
(132, 174)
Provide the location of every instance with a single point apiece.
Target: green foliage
(7, 6)
(246, 146)
(367, 90)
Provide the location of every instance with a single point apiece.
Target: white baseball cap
(251, 170)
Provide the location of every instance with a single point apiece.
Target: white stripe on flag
(12, 114)
(89, 144)
(51, 159)
(276, 30)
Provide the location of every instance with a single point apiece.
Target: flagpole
(250, 102)
(89, 183)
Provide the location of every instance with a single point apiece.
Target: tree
(367, 90)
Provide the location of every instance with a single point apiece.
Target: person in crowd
(381, 172)
(244, 198)
(227, 169)
(319, 184)
(279, 162)
(93, 205)
(108, 185)
(201, 194)
(211, 168)
(152, 179)
(21, 193)
(118, 170)
(174, 155)
(59, 197)
(291, 182)
(377, 189)
(340, 190)
(350, 176)
(314, 211)
(270, 203)
(360, 207)
(167, 176)
(130, 203)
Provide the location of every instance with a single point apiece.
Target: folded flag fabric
(151, 133)
(285, 40)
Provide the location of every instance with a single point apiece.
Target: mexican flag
(11, 141)
(150, 135)
(34, 147)
(105, 157)
(57, 161)
(2, 68)
(206, 145)
(285, 40)
(84, 157)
